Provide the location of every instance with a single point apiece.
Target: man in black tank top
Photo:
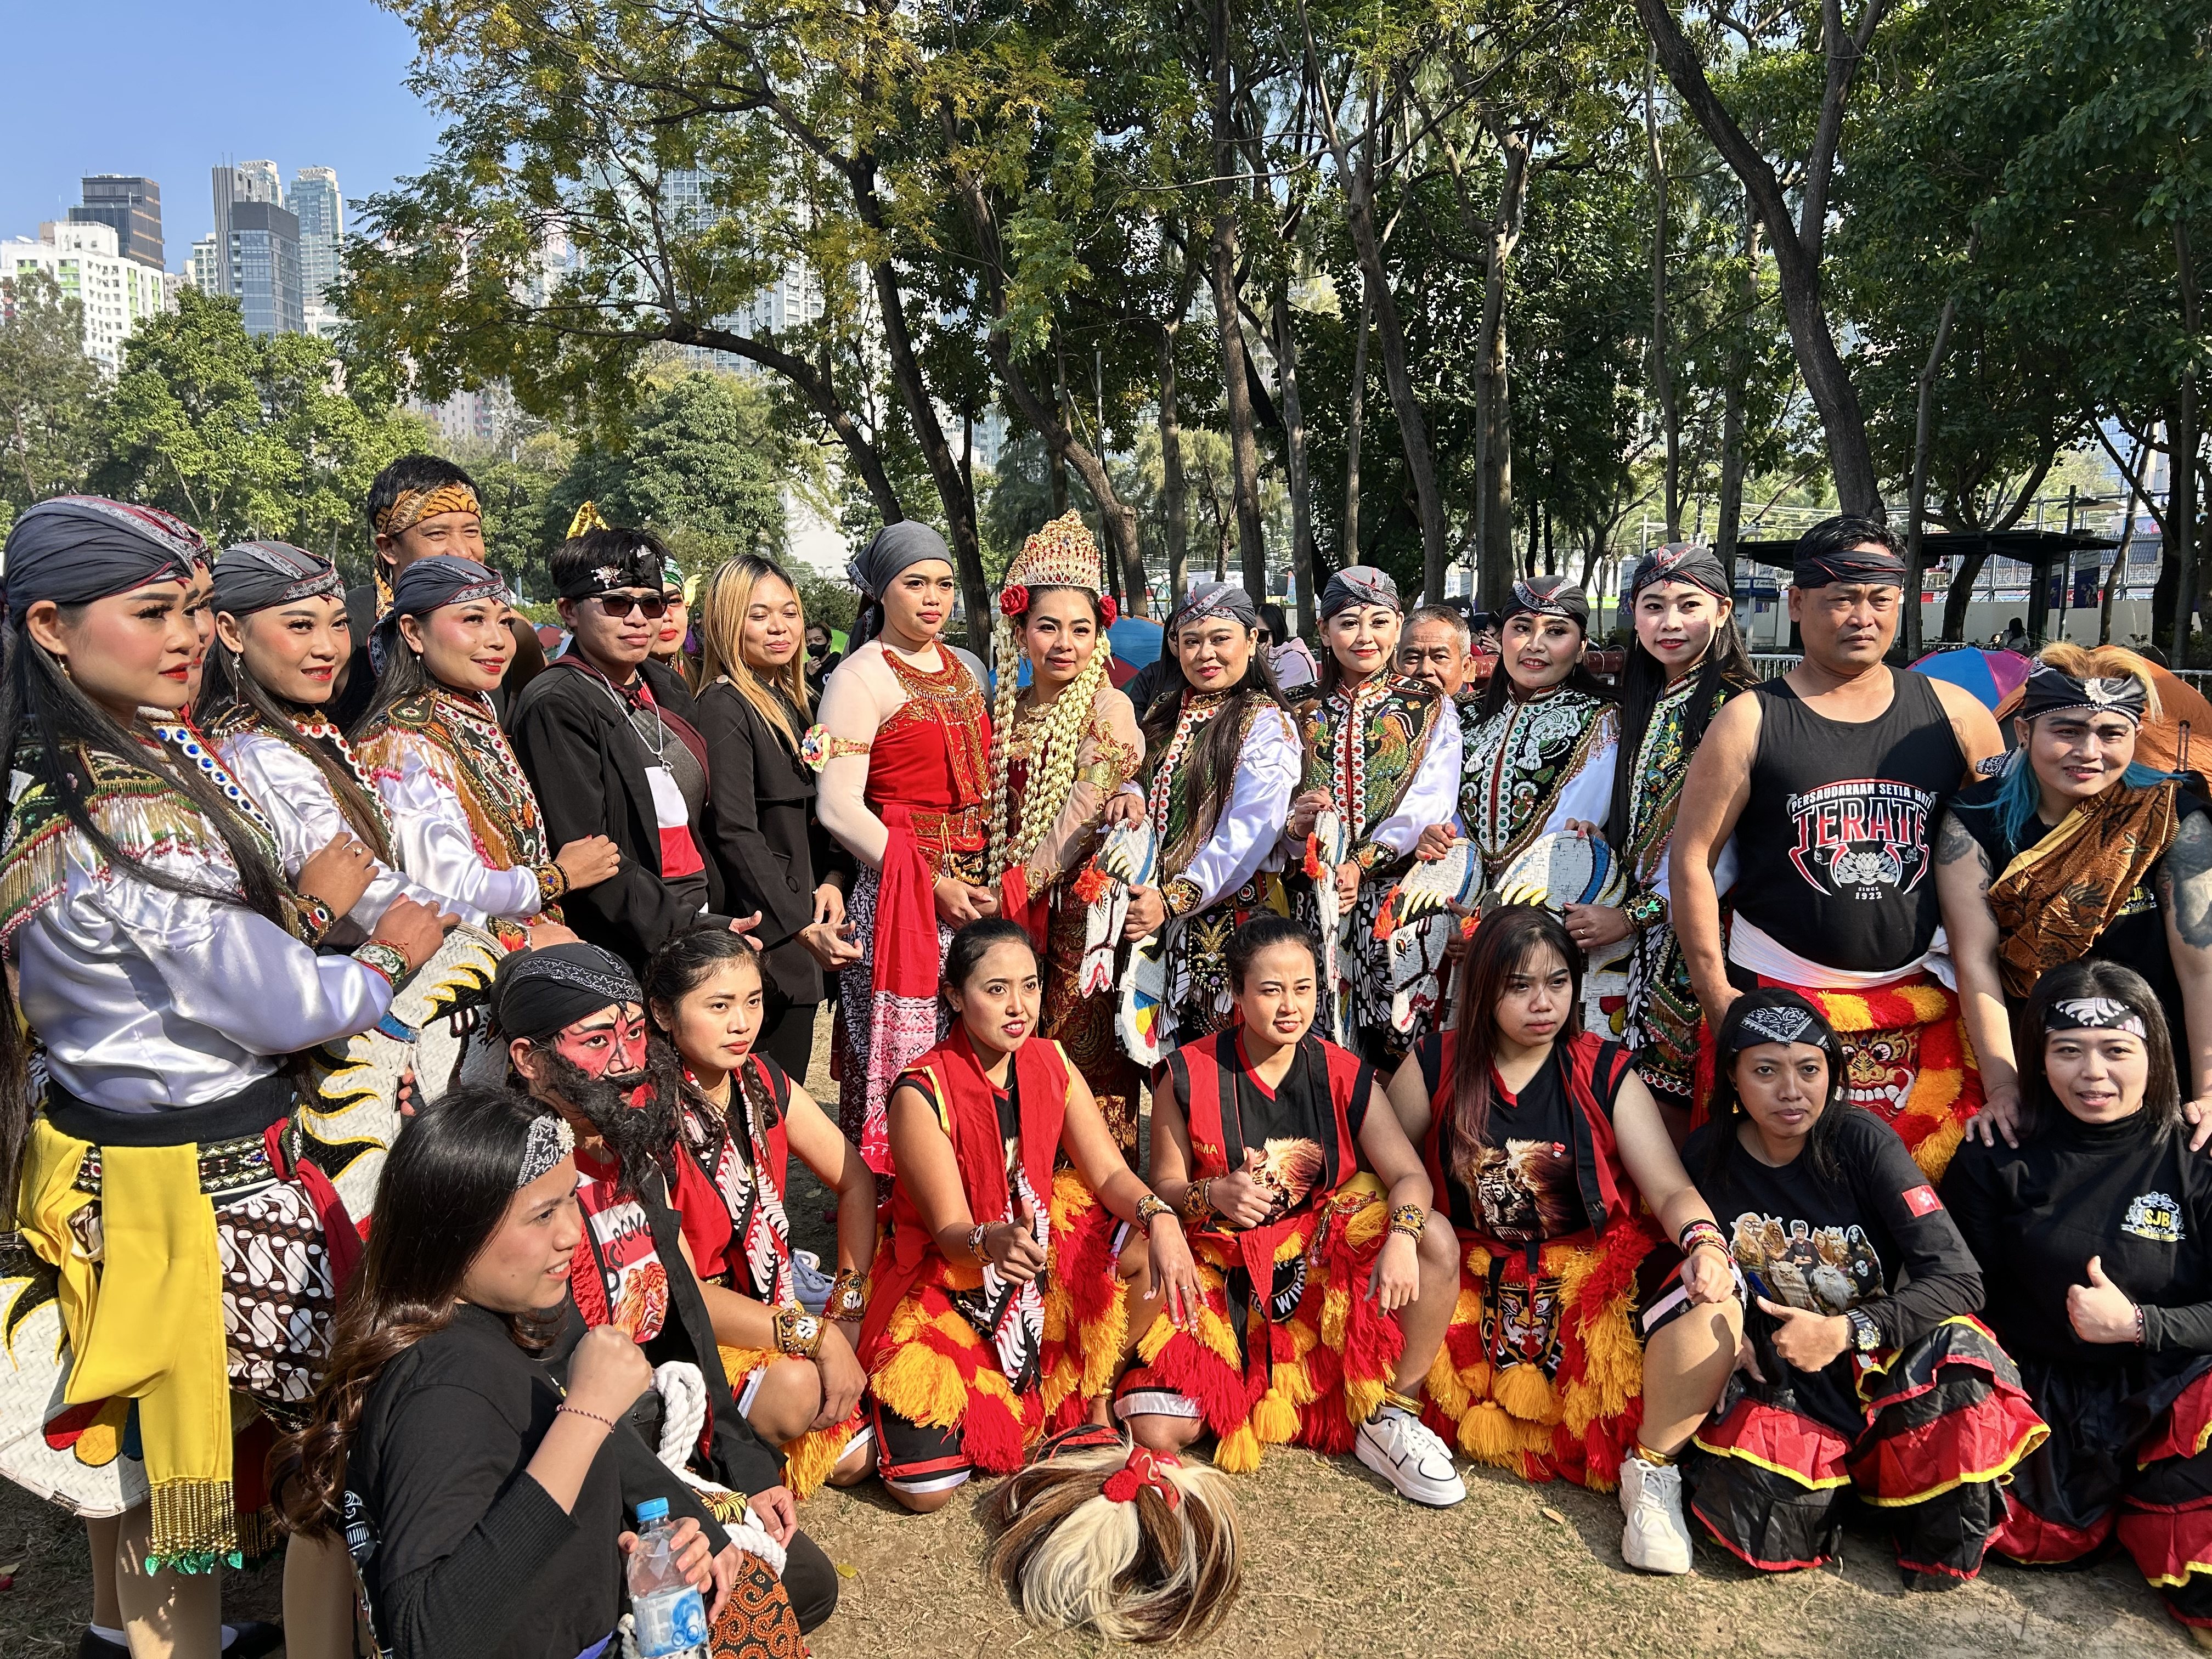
(1831, 780)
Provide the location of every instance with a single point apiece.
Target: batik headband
(1360, 584)
(1696, 564)
(75, 548)
(538, 993)
(411, 506)
(2092, 1014)
(550, 1141)
(1548, 596)
(1214, 601)
(261, 575)
(1869, 564)
(613, 559)
(2051, 690)
(1778, 1015)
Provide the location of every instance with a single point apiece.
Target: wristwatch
(1865, 1335)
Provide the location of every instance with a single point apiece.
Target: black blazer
(587, 764)
(765, 835)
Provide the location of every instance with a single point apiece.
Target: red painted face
(609, 1043)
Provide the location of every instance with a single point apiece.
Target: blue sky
(168, 90)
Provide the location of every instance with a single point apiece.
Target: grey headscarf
(428, 585)
(896, 547)
(1211, 599)
(76, 548)
(261, 575)
(1359, 584)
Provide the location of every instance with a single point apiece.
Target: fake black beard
(641, 1135)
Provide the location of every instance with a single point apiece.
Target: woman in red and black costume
(1848, 1380)
(1315, 1283)
(2095, 1239)
(996, 1309)
(1581, 1346)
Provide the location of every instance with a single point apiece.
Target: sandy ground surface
(1335, 1563)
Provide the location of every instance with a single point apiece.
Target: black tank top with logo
(1834, 845)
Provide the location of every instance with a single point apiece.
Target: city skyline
(357, 116)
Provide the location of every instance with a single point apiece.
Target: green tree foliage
(245, 437)
(50, 392)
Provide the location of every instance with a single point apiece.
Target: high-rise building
(116, 293)
(203, 271)
(315, 200)
(129, 206)
(257, 248)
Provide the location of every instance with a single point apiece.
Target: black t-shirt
(1833, 844)
(1827, 1246)
(1281, 1123)
(2136, 938)
(1526, 1186)
(465, 1553)
(2130, 1193)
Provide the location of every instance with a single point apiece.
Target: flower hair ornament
(1097, 1532)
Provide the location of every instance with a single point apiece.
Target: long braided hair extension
(1052, 763)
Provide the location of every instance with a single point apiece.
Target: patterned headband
(412, 507)
(550, 1141)
(2051, 690)
(1549, 596)
(1786, 1019)
(2092, 1014)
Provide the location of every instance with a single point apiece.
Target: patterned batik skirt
(1305, 1362)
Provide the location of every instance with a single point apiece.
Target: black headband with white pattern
(2092, 1014)
(1775, 1014)
(550, 1141)
(2052, 691)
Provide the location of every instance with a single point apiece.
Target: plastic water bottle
(670, 1619)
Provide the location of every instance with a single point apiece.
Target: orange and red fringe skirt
(935, 1370)
(1309, 1379)
(1541, 1371)
(2126, 1457)
(1926, 1433)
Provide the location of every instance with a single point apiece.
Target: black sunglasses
(653, 607)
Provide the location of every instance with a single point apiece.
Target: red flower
(1107, 609)
(1013, 600)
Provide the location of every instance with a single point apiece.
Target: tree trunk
(1357, 180)
(906, 372)
(1923, 424)
(1662, 374)
(1797, 245)
(1305, 557)
(1174, 493)
(2181, 453)
(1243, 447)
(1960, 594)
(2117, 576)
(1347, 551)
(1732, 406)
(1493, 392)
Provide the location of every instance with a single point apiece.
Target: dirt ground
(1335, 1563)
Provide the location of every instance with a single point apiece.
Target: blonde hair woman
(753, 711)
(1059, 747)
(2076, 851)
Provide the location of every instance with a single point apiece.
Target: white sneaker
(1405, 1452)
(1656, 1539)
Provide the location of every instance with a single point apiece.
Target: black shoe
(254, 1639)
(1933, 1583)
(89, 1646)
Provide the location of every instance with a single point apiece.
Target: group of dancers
(1747, 1096)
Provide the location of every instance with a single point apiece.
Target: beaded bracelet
(1181, 897)
(798, 1333)
(1149, 1208)
(2142, 1334)
(975, 1240)
(388, 960)
(849, 1295)
(1700, 1232)
(552, 882)
(1196, 1199)
(1408, 1219)
(607, 1423)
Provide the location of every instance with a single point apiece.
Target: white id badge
(669, 811)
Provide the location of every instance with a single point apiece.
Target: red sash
(955, 1075)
